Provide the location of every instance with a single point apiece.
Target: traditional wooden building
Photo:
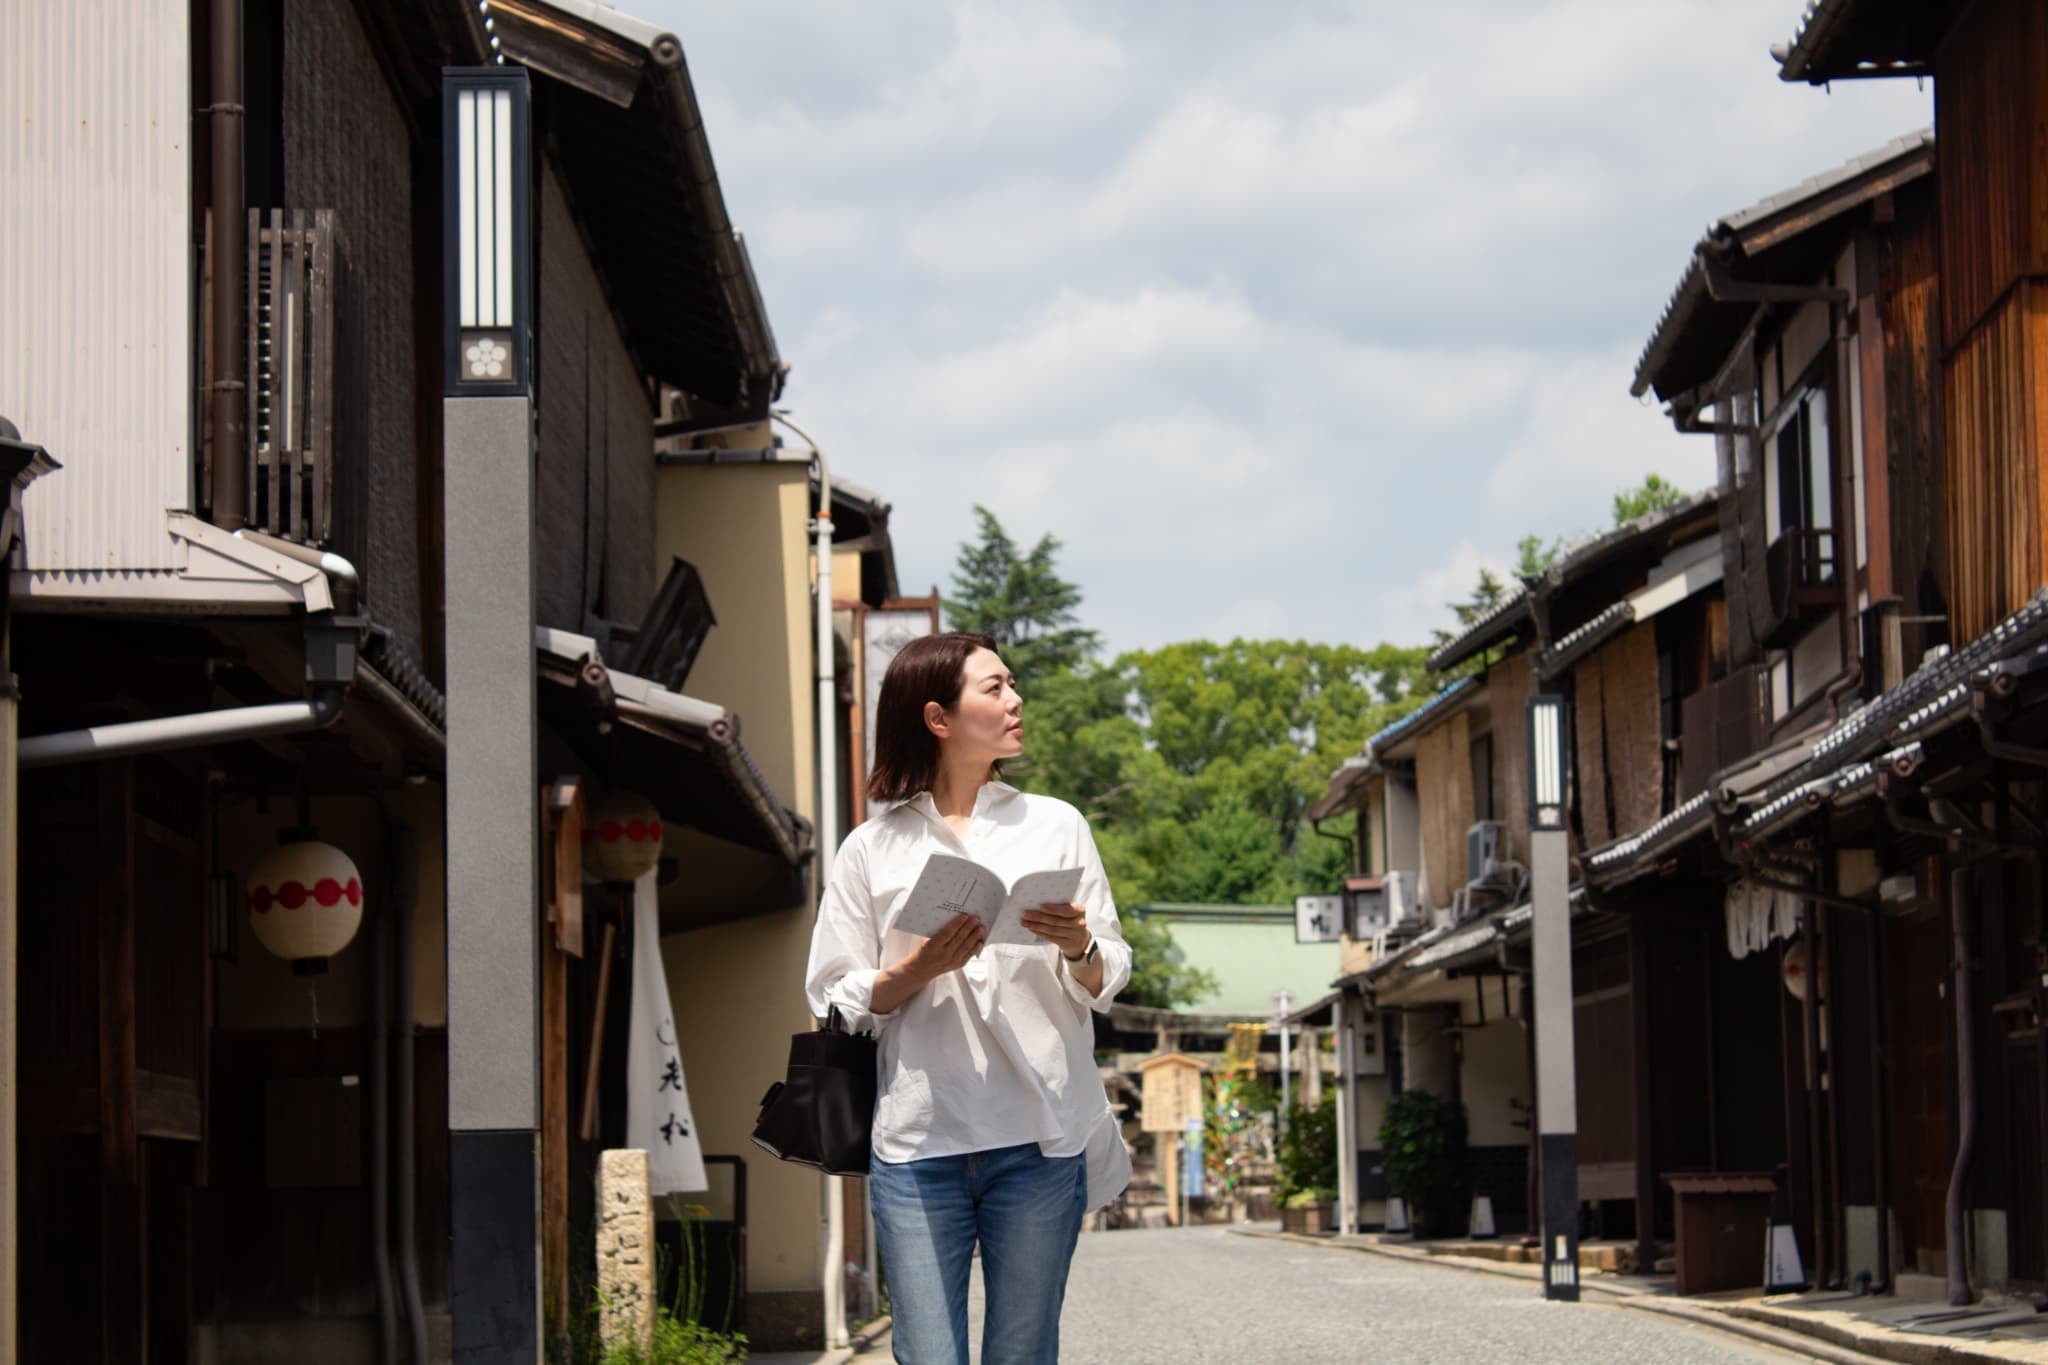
(228, 611)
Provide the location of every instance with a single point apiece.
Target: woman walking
(991, 1123)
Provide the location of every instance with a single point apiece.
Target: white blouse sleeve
(846, 945)
(1094, 897)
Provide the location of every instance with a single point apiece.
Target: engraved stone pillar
(625, 1250)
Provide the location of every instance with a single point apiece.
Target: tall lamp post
(493, 855)
(1551, 954)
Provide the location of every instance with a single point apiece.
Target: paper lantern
(305, 902)
(621, 837)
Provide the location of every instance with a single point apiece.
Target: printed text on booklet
(951, 886)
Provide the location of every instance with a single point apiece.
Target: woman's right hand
(949, 949)
(946, 951)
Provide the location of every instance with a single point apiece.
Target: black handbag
(822, 1114)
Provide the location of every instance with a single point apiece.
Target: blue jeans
(1023, 1207)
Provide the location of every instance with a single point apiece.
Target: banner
(658, 1118)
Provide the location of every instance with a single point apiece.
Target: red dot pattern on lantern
(292, 895)
(622, 836)
(611, 831)
(305, 900)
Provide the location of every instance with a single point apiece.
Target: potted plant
(1422, 1139)
(1307, 1164)
(1311, 1210)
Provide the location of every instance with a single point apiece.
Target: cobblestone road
(1176, 1296)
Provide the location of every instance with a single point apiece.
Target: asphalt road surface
(1176, 1296)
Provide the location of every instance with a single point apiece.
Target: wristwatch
(1086, 955)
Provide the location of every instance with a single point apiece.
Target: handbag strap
(835, 1023)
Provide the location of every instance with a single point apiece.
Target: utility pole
(1551, 954)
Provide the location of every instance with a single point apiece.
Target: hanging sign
(658, 1118)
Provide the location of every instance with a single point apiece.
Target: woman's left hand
(1063, 926)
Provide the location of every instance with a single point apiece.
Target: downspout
(332, 639)
(834, 1273)
(1822, 1233)
(21, 463)
(1966, 1086)
(228, 390)
(378, 987)
(1350, 844)
(404, 903)
(1846, 546)
(184, 732)
(1347, 1117)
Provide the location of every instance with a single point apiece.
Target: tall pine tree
(1019, 600)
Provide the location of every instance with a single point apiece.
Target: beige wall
(737, 992)
(743, 526)
(258, 990)
(737, 988)
(1495, 1071)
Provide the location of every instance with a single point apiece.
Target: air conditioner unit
(1375, 905)
(1404, 907)
(1486, 854)
(1365, 907)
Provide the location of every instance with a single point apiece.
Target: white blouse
(1002, 1050)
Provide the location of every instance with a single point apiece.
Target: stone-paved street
(1177, 1296)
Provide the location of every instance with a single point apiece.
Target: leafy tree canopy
(1019, 600)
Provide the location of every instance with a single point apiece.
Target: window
(1805, 480)
(1482, 777)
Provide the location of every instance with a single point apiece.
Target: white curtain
(1759, 916)
(658, 1117)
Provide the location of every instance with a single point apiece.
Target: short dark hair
(929, 668)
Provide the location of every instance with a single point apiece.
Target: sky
(1284, 318)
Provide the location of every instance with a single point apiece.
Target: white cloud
(1412, 610)
(1285, 318)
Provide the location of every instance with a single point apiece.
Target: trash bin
(1723, 1218)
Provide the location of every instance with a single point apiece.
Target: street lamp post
(1551, 953)
(493, 838)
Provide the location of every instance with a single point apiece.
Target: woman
(991, 1124)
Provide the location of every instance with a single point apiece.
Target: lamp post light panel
(1547, 762)
(486, 127)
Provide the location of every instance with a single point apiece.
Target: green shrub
(1310, 1197)
(1308, 1148)
(1422, 1142)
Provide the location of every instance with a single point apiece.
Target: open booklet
(951, 886)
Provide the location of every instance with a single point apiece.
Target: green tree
(1230, 853)
(1019, 600)
(1195, 762)
(1653, 494)
(1533, 556)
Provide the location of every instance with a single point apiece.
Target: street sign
(1318, 919)
(1172, 1092)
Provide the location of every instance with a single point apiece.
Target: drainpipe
(828, 843)
(331, 644)
(378, 987)
(183, 732)
(1966, 1085)
(21, 463)
(228, 390)
(1347, 1118)
(1816, 1200)
(404, 898)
